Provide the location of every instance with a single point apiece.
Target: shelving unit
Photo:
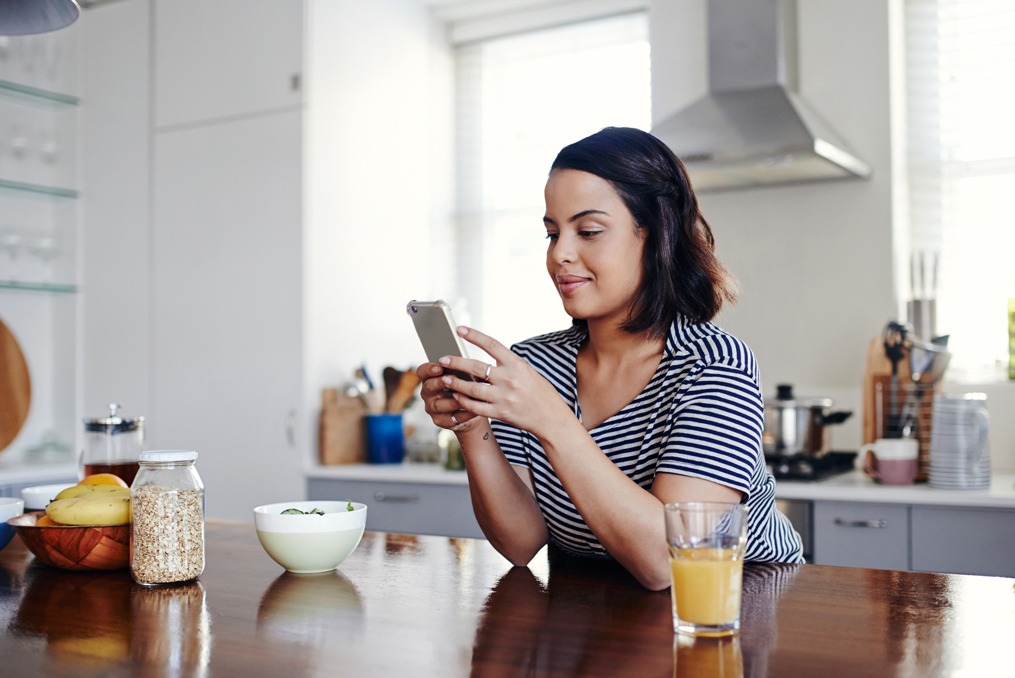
(39, 224)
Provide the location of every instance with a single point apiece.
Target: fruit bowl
(75, 547)
(307, 544)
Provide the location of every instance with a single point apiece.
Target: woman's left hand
(510, 391)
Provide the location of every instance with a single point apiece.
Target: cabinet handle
(397, 498)
(862, 523)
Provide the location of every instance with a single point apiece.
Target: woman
(581, 436)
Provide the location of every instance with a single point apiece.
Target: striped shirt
(701, 415)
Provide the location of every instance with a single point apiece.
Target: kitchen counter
(857, 487)
(435, 606)
(390, 473)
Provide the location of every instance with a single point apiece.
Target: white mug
(959, 451)
(891, 461)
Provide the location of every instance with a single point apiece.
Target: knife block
(340, 433)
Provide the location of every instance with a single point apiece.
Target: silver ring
(488, 368)
(453, 420)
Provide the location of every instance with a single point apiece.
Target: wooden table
(433, 606)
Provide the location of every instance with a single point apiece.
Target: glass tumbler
(707, 541)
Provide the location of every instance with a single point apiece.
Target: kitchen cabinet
(856, 523)
(861, 535)
(227, 357)
(404, 498)
(217, 59)
(408, 508)
(971, 541)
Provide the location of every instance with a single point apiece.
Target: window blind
(960, 74)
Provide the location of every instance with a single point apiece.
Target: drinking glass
(707, 541)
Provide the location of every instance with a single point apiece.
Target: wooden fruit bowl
(75, 547)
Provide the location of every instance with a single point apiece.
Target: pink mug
(891, 461)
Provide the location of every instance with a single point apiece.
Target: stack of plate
(959, 449)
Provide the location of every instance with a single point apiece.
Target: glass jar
(167, 534)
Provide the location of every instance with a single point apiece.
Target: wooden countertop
(434, 606)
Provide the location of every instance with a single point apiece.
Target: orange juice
(707, 584)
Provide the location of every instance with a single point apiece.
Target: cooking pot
(798, 427)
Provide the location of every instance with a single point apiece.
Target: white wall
(378, 184)
(814, 261)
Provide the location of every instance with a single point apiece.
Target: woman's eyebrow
(585, 214)
(548, 220)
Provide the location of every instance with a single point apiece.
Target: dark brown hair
(680, 272)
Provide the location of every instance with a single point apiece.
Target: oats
(167, 536)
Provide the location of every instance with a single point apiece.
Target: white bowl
(9, 508)
(310, 543)
(38, 497)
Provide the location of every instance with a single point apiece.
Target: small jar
(167, 535)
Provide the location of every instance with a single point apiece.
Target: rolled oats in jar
(167, 535)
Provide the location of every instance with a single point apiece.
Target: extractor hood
(751, 128)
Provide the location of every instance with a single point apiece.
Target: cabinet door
(861, 535)
(964, 540)
(405, 508)
(220, 58)
(227, 352)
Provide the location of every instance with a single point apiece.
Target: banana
(78, 490)
(90, 510)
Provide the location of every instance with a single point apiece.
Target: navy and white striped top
(700, 415)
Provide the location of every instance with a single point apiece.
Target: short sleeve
(716, 427)
(512, 443)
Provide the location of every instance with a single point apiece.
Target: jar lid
(113, 424)
(167, 455)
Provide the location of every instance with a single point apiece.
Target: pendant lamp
(22, 17)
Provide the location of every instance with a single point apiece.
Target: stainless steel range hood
(751, 129)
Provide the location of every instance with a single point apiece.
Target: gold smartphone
(437, 331)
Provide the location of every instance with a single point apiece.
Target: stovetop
(806, 468)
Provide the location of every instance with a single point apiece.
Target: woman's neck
(610, 343)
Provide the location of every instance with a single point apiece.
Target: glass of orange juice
(707, 542)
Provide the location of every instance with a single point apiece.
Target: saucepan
(798, 427)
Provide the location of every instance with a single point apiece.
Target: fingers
(474, 407)
(498, 350)
(428, 371)
(476, 368)
(473, 389)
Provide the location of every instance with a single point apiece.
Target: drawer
(405, 508)
(964, 540)
(861, 535)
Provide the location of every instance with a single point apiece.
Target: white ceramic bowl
(310, 543)
(38, 497)
(9, 508)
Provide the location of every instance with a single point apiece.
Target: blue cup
(385, 441)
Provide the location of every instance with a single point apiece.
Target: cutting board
(15, 388)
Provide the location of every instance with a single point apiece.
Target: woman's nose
(563, 251)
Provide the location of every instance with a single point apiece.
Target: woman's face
(594, 255)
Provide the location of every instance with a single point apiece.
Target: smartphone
(437, 330)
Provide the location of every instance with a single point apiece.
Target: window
(520, 100)
(960, 70)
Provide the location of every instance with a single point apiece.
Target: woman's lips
(569, 283)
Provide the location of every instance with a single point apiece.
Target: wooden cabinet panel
(857, 534)
(406, 508)
(963, 540)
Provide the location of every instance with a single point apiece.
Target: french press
(112, 445)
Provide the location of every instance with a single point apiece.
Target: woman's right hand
(441, 404)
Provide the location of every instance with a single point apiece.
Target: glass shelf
(38, 287)
(34, 95)
(52, 191)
